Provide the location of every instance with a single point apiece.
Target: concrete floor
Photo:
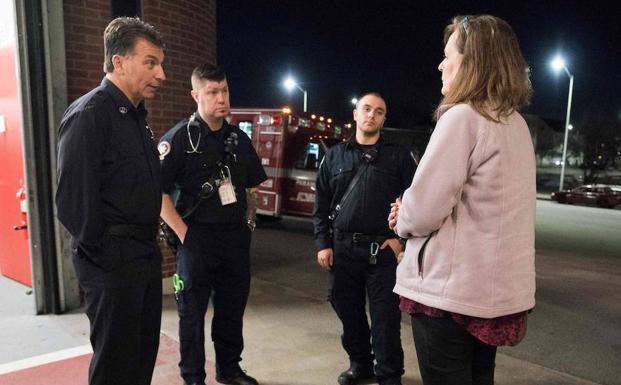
(24, 335)
(291, 338)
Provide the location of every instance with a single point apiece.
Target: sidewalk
(291, 339)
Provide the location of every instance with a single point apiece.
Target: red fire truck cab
(290, 147)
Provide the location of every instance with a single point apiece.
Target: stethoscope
(192, 122)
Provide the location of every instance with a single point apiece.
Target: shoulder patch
(171, 134)
(164, 149)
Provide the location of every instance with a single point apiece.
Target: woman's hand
(394, 213)
(324, 258)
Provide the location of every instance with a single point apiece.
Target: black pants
(449, 355)
(213, 262)
(124, 307)
(353, 278)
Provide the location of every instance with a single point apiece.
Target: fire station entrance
(14, 249)
(32, 97)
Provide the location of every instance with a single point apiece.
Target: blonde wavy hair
(493, 77)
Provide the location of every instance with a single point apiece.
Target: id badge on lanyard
(226, 189)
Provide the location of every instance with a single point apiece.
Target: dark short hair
(367, 93)
(121, 35)
(206, 71)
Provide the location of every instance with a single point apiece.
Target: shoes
(355, 374)
(236, 378)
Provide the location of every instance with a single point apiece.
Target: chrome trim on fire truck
(270, 132)
(292, 173)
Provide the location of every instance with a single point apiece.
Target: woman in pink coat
(468, 274)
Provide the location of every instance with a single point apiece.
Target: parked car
(601, 195)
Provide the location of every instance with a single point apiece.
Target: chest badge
(123, 110)
(164, 149)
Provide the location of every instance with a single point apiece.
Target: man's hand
(394, 244)
(394, 214)
(252, 198)
(169, 214)
(324, 258)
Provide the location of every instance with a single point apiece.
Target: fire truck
(290, 147)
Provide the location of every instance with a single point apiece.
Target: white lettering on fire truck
(304, 197)
(302, 182)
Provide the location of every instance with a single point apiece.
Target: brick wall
(84, 26)
(189, 32)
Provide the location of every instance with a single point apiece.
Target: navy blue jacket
(108, 168)
(184, 170)
(367, 207)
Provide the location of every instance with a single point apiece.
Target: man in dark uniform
(212, 171)
(109, 199)
(353, 241)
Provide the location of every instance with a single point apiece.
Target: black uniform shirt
(108, 170)
(184, 170)
(367, 207)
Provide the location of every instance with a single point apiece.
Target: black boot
(236, 378)
(355, 374)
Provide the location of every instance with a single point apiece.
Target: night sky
(338, 49)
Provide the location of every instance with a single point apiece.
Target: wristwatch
(251, 224)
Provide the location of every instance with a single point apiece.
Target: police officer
(212, 170)
(353, 241)
(109, 199)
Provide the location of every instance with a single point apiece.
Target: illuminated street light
(290, 84)
(559, 64)
(354, 101)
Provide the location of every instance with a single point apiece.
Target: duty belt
(373, 240)
(138, 232)
(361, 237)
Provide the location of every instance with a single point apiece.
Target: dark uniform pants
(352, 278)
(124, 307)
(214, 261)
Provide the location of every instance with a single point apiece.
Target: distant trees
(594, 144)
(597, 136)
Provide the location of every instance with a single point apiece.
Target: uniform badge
(123, 110)
(164, 149)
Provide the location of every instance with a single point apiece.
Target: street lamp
(559, 64)
(354, 101)
(290, 84)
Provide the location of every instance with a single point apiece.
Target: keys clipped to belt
(373, 249)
